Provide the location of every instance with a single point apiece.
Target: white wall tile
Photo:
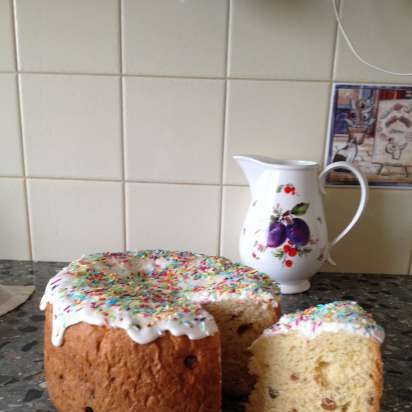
(236, 201)
(381, 242)
(173, 129)
(68, 36)
(14, 239)
(282, 39)
(71, 125)
(380, 30)
(71, 218)
(181, 217)
(284, 120)
(7, 60)
(10, 150)
(175, 37)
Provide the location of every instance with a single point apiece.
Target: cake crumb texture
(326, 358)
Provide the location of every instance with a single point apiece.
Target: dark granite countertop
(389, 298)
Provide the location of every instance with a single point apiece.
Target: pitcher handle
(362, 202)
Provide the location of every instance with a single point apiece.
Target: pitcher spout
(252, 166)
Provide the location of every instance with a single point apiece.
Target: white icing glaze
(149, 292)
(340, 316)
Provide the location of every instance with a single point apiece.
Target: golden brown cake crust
(99, 369)
(377, 376)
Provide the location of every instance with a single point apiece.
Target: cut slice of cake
(325, 358)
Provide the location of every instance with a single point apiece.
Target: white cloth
(13, 296)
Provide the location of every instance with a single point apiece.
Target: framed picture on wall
(370, 126)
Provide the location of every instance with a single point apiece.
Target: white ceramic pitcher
(285, 233)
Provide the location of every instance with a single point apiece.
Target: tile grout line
(21, 127)
(158, 76)
(108, 180)
(330, 96)
(148, 182)
(188, 77)
(335, 48)
(224, 126)
(166, 182)
(63, 179)
(122, 127)
(325, 147)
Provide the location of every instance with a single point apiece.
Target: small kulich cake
(325, 358)
(153, 331)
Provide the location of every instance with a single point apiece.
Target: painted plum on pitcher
(298, 232)
(289, 231)
(276, 235)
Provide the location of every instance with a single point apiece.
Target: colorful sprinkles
(331, 317)
(150, 291)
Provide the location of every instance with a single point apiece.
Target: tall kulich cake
(325, 358)
(152, 331)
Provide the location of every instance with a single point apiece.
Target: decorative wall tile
(285, 120)
(174, 37)
(282, 39)
(10, 150)
(71, 126)
(381, 242)
(69, 36)
(14, 239)
(71, 218)
(7, 60)
(235, 202)
(380, 30)
(173, 129)
(179, 217)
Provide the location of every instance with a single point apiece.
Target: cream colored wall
(118, 120)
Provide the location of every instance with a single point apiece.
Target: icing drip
(340, 316)
(149, 292)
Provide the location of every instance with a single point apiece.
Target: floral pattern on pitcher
(288, 234)
(288, 251)
(288, 189)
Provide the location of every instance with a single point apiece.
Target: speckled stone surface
(389, 298)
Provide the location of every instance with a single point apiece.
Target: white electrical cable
(354, 51)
